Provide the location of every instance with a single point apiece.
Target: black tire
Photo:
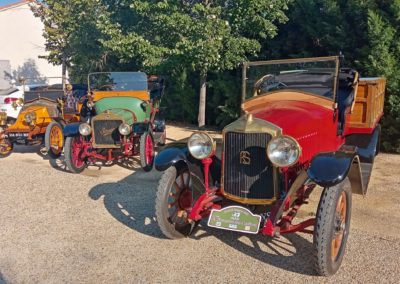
(68, 154)
(167, 219)
(331, 226)
(53, 153)
(146, 161)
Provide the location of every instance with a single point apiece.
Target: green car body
(119, 119)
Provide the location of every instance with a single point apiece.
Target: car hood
(310, 124)
(129, 108)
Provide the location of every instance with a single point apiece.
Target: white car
(7, 97)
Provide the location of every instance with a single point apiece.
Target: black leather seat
(346, 95)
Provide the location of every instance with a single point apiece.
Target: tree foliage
(202, 43)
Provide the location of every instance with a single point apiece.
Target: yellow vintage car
(46, 109)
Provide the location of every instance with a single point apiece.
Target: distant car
(7, 98)
(45, 110)
(120, 119)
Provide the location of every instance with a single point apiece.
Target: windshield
(118, 81)
(316, 76)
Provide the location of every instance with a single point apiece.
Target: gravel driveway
(98, 227)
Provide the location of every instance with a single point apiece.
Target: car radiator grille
(106, 132)
(248, 173)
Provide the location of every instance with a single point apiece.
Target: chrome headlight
(30, 117)
(85, 129)
(201, 145)
(90, 104)
(124, 129)
(283, 151)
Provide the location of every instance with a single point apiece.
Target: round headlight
(90, 104)
(30, 117)
(201, 145)
(85, 129)
(283, 151)
(124, 129)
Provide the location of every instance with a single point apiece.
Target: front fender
(177, 154)
(171, 155)
(71, 129)
(140, 127)
(330, 168)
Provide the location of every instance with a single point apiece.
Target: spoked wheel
(5, 148)
(74, 149)
(147, 151)
(332, 227)
(54, 140)
(177, 192)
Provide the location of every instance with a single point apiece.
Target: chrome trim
(255, 125)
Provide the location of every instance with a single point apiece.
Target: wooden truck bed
(368, 105)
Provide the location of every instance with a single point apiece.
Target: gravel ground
(98, 227)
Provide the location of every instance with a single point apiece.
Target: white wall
(21, 42)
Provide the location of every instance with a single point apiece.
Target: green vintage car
(119, 119)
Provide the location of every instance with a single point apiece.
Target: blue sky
(6, 2)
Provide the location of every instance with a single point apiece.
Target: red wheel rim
(149, 153)
(340, 223)
(77, 151)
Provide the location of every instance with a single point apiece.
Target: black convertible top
(50, 95)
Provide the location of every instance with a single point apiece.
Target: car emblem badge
(106, 132)
(245, 158)
(107, 116)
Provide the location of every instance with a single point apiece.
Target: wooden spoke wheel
(74, 154)
(5, 148)
(332, 227)
(147, 151)
(339, 226)
(54, 140)
(177, 192)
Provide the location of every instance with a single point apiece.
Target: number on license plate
(18, 134)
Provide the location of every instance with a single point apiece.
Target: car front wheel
(73, 152)
(177, 193)
(5, 148)
(332, 227)
(54, 140)
(147, 151)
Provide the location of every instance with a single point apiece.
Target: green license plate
(235, 218)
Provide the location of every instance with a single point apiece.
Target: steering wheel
(104, 87)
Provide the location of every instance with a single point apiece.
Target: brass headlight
(3, 118)
(201, 145)
(283, 151)
(30, 117)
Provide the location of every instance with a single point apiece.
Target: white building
(21, 43)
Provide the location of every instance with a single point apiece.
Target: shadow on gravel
(291, 252)
(2, 281)
(131, 201)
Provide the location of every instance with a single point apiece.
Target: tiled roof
(14, 4)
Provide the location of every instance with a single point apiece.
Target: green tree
(202, 36)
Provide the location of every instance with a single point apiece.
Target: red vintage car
(305, 122)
